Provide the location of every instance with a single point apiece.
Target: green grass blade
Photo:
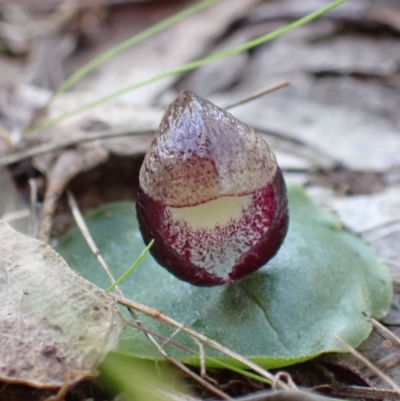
(132, 268)
(200, 62)
(78, 75)
(235, 369)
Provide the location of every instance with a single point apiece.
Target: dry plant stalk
(386, 333)
(257, 94)
(368, 363)
(156, 314)
(17, 215)
(356, 392)
(73, 204)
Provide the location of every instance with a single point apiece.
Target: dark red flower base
(150, 214)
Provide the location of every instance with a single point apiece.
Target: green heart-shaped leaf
(323, 281)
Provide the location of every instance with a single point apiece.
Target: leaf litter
(54, 325)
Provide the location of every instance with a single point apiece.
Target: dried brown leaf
(54, 325)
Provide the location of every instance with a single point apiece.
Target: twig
(203, 369)
(200, 379)
(385, 333)
(161, 337)
(356, 392)
(156, 314)
(169, 339)
(203, 372)
(52, 146)
(367, 363)
(388, 362)
(259, 93)
(281, 396)
(86, 234)
(286, 376)
(196, 377)
(17, 215)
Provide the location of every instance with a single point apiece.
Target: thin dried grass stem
(169, 339)
(156, 314)
(203, 368)
(255, 95)
(181, 366)
(161, 337)
(197, 378)
(368, 363)
(86, 234)
(355, 392)
(203, 371)
(385, 333)
(285, 376)
(17, 215)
